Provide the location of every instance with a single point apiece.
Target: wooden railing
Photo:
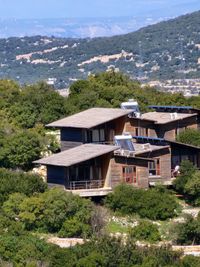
(87, 184)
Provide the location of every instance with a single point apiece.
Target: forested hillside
(160, 51)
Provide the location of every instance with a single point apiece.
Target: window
(95, 135)
(102, 135)
(154, 167)
(129, 174)
(144, 132)
(98, 135)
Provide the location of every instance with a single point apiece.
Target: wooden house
(95, 169)
(92, 164)
(161, 124)
(95, 125)
(178, 151)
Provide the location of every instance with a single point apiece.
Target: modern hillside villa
(102, 147)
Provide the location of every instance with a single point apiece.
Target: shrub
(72, 227)
(186, 171)
(18, 181)
(52, 211)
(188, 182)
(145, 231)
(188, 233)
(155, 204)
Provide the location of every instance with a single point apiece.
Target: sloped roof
(90, 118)
(139, 148)
(165, 117)
(76, 155)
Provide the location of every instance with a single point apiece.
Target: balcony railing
(87, 184)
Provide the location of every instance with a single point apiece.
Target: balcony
(89, 188)
(86, 184)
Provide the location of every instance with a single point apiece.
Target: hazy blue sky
(94, 8)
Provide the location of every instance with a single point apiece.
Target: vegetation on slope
(160, 52)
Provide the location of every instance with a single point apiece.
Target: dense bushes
(23, 250)
(17, 181)
(37, 103)
(52, 211)
(111, 252)
(155, 204)
(28, 250)
(188, 233)
(20, 149)
(145, 231)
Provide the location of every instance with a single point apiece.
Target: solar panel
(154, 140)
(124, 142)
(170, 107)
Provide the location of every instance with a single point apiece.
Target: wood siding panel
(165, 163)
(116, 175)
(141, 126)
(68, 144)
(56, 175)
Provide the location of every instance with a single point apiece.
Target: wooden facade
(174, 128)
(101, 134)
(106, 171)
(160, 169)
(180, 152)
(170, 130)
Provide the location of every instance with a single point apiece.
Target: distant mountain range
(74, 28)
(169, 49)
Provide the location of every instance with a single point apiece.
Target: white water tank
(132, 105)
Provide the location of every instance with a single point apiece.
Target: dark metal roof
(148, 138)
(151, 140)
(182, 144)
(171, 107)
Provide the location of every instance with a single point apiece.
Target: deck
(95, 192)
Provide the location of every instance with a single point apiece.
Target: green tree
(53, 211)
(11, 207)
(187, 169)
(18, 181)
(192, 187)
(20, 150)
(189, 136)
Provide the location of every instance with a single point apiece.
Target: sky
(35, 9)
